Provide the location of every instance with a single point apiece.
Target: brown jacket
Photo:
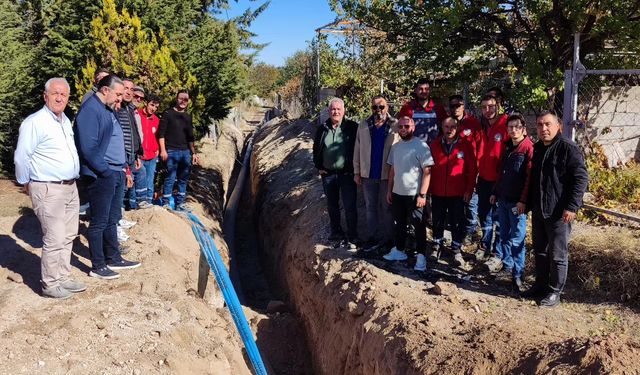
(362, 150)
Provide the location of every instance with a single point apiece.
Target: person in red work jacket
(149, 123)
(470, 130)
(426, 114)
(454, 177)
(511, 192)
(494, 133)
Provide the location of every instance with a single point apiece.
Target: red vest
(452, 175)
(469, 130)
(491, 150)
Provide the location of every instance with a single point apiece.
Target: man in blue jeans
(175, 138)
(100, 144)
(333, 157)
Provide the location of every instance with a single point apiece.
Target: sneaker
(126, 224)
(104, 273)
(123, 265)
(57, 292)
(144, 205)
(421, 263)
(73, 286)
(122, 235)
(516, 284)
(551, 300)
(395, 254)
(458, 260)
(493, 264)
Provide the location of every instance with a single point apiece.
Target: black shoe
(123, 265)
(551, 300)
(104, 273)
(535, 292)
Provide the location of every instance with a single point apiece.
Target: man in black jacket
(333, 157)
(558, 182)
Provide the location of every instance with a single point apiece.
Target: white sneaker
(421, 263)
(395, 254)
(144, 205)
(126, 224)
(122, 236)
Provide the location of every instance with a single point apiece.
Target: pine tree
(16, 76)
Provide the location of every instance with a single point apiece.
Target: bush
(613, 187)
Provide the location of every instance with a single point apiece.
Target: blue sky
(286, 24)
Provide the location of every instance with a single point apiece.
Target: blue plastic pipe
(230, 297)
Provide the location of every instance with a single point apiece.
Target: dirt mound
(369, 317)
(150, 320)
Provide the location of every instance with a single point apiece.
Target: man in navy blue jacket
(100, 145)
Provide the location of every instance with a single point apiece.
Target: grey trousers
(378, 211)
(57, 208)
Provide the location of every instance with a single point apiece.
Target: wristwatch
(422, 195)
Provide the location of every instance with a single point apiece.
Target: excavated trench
(360, 318)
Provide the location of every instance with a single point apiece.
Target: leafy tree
(264, 79)
(15, 76)
(527, 41)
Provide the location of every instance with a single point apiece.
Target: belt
(63, 182)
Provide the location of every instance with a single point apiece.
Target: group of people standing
(453, 170)
(111, 150)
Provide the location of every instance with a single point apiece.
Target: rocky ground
(366, 316)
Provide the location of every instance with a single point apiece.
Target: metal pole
(567, 102)
(381, 86)
(574, 85)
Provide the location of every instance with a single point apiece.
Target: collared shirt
(46, 150)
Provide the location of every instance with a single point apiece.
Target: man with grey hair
(333, 148)
(102, 155)
(47, 165)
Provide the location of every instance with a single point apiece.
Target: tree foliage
(264, 79)
(528, 43)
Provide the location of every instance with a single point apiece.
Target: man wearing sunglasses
(426, 114)
(374, 139)
(176, 141)
(469, 130)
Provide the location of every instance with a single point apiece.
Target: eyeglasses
(374, 107)
(404, 126)
(141, 97)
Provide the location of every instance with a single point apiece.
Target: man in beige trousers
(47, 166)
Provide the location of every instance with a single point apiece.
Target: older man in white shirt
(47, 166)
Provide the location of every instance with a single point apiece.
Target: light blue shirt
(46, 150)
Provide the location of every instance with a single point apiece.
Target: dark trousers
(550, 239)
(448, 210)
(105, 197)
(337, 186)
(488, 217)
(403, 208)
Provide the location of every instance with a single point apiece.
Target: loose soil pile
(368, 317)
(150, 320)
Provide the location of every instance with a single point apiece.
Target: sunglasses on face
(138, 97)
(374, 107)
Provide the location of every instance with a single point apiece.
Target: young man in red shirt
(452, 183)
(150, 123)
(494, 134)
(426, 114)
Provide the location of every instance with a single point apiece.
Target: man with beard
(409, 177)
(100, 145)
(426, 114)
(374, 139)
(494, 133)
